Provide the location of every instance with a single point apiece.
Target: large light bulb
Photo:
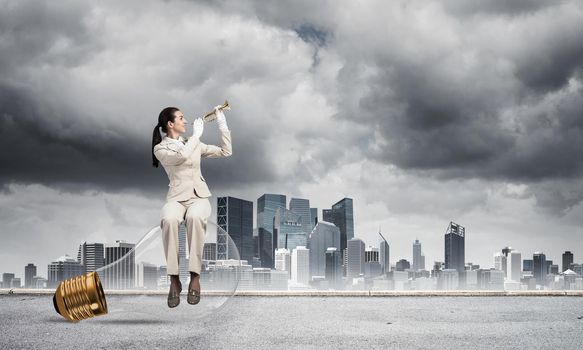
(136, 276)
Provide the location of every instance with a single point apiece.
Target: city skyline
(395, 258)
(422, 112)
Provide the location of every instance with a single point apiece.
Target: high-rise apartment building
(418, 257)
(300, 265)
(455, 247)
(342, 215)
(267, 205)
(235, 216)
(301, 207)
(540, 268)
(120, 275)
(29, 274)
(91, 255)
(355, 258)
(324, 235)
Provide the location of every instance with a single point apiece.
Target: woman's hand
(197, 127)
(221, 120)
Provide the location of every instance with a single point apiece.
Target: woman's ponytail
(156, 139)
(167, 115)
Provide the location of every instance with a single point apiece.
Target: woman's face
(179, 124)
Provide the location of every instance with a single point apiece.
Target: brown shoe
(174, 298)
(193, 296)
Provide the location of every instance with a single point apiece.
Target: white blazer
(182, 164)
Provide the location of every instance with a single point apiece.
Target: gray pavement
(245, 322)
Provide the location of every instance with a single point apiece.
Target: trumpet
(210, 116)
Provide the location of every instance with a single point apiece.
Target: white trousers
(196, 212)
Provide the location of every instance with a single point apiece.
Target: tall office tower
(418, 257)
(29, 274)
(91, 255)
(540, 268)
(6, 279)
(567, 260)
(527, 265)
(121, 275)
(505, 252)
(514, 267)
(548, 264)
(147, 276)
(302, 208)
(499, 261)
(300, 265)
(235, 216)
(342, 216)
(455, 247)
(264, 246)
(402, 265)
(288, 229)
(333, 271)
(384, 255)
(322, 237)
(63, 268)
(283, 261)
(209, 252)
(314, 216)
(371, 254)
(355, 257)
(266, 207)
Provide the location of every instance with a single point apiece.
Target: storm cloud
(422, 111)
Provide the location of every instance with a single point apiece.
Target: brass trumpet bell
(210, 116)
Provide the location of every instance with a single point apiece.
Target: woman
(187, 197)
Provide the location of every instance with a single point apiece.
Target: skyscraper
(266, 207)
(355, 257)
(567, 260)
(314, 216)
(323, 236)
(371, 254)
(384, 254)
(499, 261)
(301, 207)
(455, 247)
(418, 258)
(402, 265)
(333, 267)
(6, 279)
(283, 261)
(300, 265)
(540, 268)
(505, 252)
(91, 255)
(514, 266)
(342, 216)
(120, 275)
(63, 268)
(236, 218)
(288, 229)
(29, 274)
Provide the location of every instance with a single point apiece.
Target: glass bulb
(137, 274)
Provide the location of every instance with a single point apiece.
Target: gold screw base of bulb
(80, 297)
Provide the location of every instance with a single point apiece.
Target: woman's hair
(167, 115)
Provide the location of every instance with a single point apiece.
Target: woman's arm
(168, 156)
(212, 151)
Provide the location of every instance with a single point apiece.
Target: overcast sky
(423, 112)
